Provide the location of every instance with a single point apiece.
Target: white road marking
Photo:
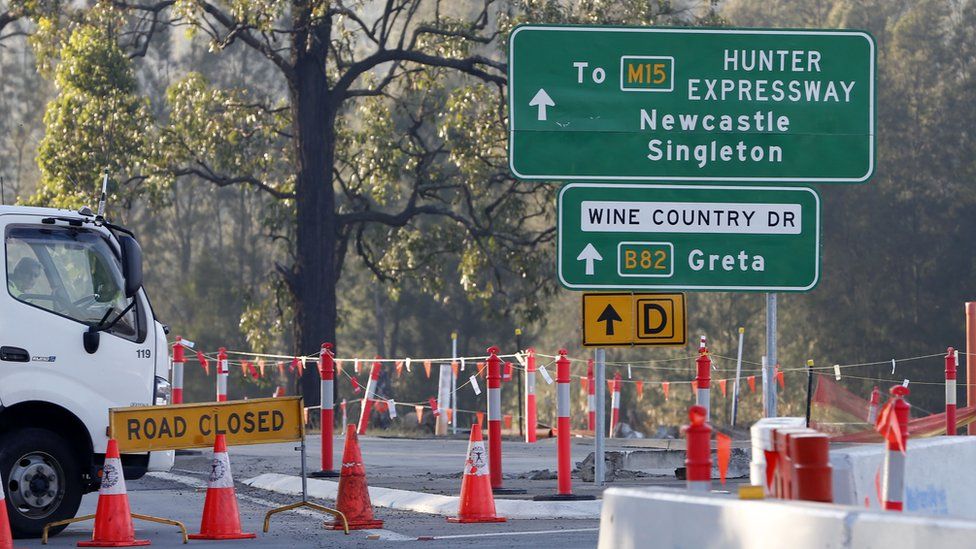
(503, 534)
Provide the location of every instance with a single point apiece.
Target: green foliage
(98, 122)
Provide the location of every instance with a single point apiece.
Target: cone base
(324, 474)
(469, 520)
(242, 535)
(132, 543)
(361, 525)
(505, 491)
(564, 497)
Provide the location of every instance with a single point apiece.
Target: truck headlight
(163, 391)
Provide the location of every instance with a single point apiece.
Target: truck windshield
(69, 271)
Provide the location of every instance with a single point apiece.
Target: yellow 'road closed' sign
(625, 319)
(256, 421)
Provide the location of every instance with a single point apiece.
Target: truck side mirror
(131, 264)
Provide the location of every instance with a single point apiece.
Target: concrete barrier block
(661, 517)
(658, 517)
(936, 481)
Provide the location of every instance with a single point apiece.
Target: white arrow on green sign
(683, 237)
(671, 104)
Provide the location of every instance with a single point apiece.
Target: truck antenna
(101, 200)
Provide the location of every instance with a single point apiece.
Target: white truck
(77, 337)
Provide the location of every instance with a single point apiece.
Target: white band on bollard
(562, 399)
(178, 375)
(894, 477)
(222, 384)
(590, 403)
(494, 404)
(327, 401)
(699, 486)
(703, 399)
(530, 383)
(950, 391)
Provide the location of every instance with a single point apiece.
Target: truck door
(59, 281)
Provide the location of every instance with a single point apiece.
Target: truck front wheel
(42, 482)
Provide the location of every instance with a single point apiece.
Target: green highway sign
(672, 104)
(614, 236)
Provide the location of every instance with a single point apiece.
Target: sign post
(680, 237)
(660, 104)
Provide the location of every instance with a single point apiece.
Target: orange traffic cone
(6, 540)
(221, 519)
(113, 520)
(477, 503)
(353, 499)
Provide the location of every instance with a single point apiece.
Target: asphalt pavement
(431, 466)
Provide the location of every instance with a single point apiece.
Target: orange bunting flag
(355, 384)
(380, 406)
(281, 368)
(450, 415)
(694, 385)
(427, 368)
(261, 366)
(724, 454)
(399, 367)
(584, 383)
(252, 370)
(244, 368)
(609, 385)
(338, 365)
(666, 387)
(482, 369)
(508, 421)
(640, 389)
(780, 379)
(419, 408)
(454, 369)
(433, 406)
(480, 416)
(203, 362)
(305, 413)
(722, 386)
(294, 364)
(752, 383)
(507, 372)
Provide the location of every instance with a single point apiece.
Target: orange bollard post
(698, 452)
(591, 395)
(179, 358)
(704, 378)
(564, 458)
(873, 407)
(530, 410)
(222, 372)
(950, 391)
(495, 424)
(615, 406)
(327, 412)
(893, 424)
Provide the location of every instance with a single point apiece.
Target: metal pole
(738, 374)
(601, 402)
(304, 471)
(521, 387)
(809, 389)
(453, 399)
(771, 359)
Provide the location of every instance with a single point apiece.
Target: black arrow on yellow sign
(609, 315)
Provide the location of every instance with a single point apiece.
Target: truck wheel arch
(46, 415)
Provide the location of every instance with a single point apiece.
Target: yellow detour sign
(625, 319)
(256, 421)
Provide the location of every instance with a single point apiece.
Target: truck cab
(77, 337)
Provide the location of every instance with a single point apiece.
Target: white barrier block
(938, 480)
(662, 517)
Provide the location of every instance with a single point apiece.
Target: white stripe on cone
(477, 462)
(113, 483)
(220, 476)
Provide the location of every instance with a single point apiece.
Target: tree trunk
(314, 111)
